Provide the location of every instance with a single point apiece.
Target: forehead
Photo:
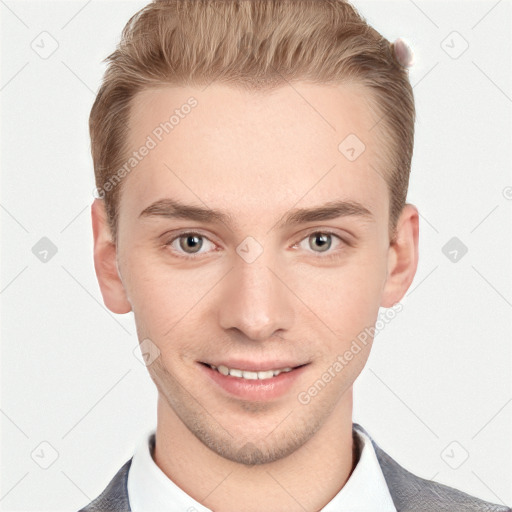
(253, 153)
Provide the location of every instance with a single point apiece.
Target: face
(288, 265)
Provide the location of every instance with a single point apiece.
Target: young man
(252, 162)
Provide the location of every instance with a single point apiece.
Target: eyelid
(344, 236)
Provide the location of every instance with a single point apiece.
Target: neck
(219, 484)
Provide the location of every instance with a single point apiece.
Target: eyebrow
(173, 209)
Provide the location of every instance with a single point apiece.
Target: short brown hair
(254, 44)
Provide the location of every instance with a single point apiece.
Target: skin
(256, 156)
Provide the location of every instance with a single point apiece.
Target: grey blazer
(410, 493)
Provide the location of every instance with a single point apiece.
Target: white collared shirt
(150, 490)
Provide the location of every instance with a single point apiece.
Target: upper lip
(253, 366)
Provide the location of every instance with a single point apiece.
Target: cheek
(346, 299)
(162, 295)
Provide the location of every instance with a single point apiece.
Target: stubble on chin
(282, 439)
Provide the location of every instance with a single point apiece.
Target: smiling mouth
(251, 375)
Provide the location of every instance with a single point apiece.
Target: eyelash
(331, 255)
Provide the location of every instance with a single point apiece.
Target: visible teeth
(245, 374)
(266, 375)
(223, 369)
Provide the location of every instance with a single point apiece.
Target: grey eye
(193, 242)
(322, 241)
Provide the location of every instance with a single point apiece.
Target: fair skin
(256, 157)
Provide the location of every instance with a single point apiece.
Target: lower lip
(255, 389)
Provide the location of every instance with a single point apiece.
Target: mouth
(251, 375)
(252, 384)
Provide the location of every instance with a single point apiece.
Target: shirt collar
(150, 490)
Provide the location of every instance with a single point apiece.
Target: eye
(188, 244)
(321, 242)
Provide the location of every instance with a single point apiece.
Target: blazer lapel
(410, 493)
(115, 496)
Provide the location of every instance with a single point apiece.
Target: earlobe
(402, 257)
(105, 262)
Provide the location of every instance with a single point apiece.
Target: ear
(402, 257)
(105, 262)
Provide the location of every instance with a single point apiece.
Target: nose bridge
(254, 300)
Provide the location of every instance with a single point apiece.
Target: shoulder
(115, 495)
(413, 493)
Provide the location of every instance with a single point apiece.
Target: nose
(254, 300)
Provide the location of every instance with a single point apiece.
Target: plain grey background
(436, 392)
